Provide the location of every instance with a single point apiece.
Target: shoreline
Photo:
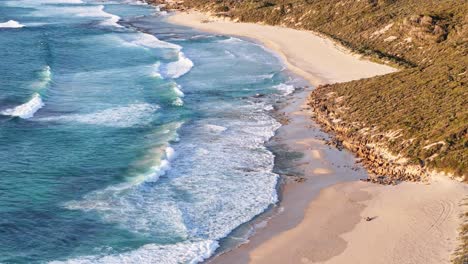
(340, 233)
(333, 62)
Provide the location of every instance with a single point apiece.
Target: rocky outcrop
(382, 165)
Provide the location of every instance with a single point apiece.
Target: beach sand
(322, 220)
(317, 59)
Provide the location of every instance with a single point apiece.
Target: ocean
(125, 139)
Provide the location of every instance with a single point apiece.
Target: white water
(177, 90)
(286, 89)
(96, 11)
(177, 68)
(26, 110)
(144, 208)
(183, 252)
(124, 116)
(99, 12)
(11, 24)
(148, 41)
(209, 214)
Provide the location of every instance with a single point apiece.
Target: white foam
(124, 116)
(39, 3)
(26, 110)
(99, 12)
(135, 2)
(59, 1)
(215, 128)
(231, 40)
(96, 11)
(112, 21)
(11, 24)
(126, 204)
(178, 102)
(177, 68)
(170, 153)
(148, 41)
(268, 107)
(183, 252)
(222, 177)
(177, 90)
(159, 169)
(286, 89)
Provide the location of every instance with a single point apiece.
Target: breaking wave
(183, 252)
(11, 24)
(26, 110)
(92, 11)
(177, 68)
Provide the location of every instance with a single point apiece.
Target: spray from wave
(146, 40)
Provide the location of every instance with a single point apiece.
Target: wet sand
(322, 219)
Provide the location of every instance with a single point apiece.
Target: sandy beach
(317, 59)
(322, 220)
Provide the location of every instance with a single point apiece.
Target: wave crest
(286, 89)
(11, 24)
(177, 68)
(26, 110)
(149, 41)
(183, 252)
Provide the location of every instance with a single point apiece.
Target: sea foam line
(183, 252)
(122, 116)
(94, 11)
(146, 40)
(286, 89)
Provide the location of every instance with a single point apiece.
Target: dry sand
(322, 220)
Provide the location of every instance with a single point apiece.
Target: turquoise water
(124, 139)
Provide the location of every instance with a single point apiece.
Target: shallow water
(127, 139)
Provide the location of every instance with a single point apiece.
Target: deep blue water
(129, 142)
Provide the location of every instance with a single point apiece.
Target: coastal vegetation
(418, 115)
(461, 254)
(404, 125)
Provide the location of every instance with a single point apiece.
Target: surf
(28, 109)
(11, 24)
